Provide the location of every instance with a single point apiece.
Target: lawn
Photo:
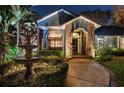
(117, 66)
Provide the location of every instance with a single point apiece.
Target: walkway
(86, 73)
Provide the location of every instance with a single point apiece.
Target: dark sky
(46, 9)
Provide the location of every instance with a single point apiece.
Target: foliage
(11, 53)
(52, 56)
(117, 52)
(5, 18)
(45, 53)
(103, 54)
(2, 49)
(4, 67)
(52, 76)
(22, 15)
(53, 59)
(5, 23)
(11, 16)
(118, 15)
(97, 14)
(118, 69)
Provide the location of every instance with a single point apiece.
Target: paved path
(86, 73)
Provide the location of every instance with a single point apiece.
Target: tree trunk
(18, 34)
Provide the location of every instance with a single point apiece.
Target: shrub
(117, 52)
(103, 54)
(53, 59)
(11, 53)
(52, 56)
(52, 76)
(4, 67)
(45, 53)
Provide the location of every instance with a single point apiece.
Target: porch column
(90, 43)
(118, 41)
(64, 41)
(68, 40)
(45, 38)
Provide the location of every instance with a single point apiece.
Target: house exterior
(111, 36)
(64, 30)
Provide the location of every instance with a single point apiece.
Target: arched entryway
(79, 41)
(54, 40)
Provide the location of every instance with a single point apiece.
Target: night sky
(46, 9)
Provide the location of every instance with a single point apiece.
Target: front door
(75, 45)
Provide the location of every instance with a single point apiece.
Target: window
(112, 41)
(99, 41)
(55, 40)
(55, 43)
(122, 43)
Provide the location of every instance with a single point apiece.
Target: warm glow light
(122, 43)
(75, 35)
(99, 39)
(55, 39)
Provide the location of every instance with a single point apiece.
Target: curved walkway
(86, 73)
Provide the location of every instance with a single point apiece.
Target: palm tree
(14, 15)
(20, 15)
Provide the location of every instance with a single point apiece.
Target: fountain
(27, 60)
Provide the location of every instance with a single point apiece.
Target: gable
(82, 21)
(57, 18)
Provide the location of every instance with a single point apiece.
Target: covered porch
(80, 37)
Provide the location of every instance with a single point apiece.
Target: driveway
(86, 73)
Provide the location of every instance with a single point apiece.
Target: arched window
(55, 40)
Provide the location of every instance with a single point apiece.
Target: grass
(117, 66)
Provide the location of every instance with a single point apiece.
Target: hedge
(45, 53)
(118, 52)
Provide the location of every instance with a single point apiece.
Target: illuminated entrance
(79, 42)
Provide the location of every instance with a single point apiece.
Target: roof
(109, 30)
(57, 18)
(85, 19)
(94, 20)
(101, 17)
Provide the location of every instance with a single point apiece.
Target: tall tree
(98, 15)
(14, 15)
(5, 23)
(21, 15)
(118, 15)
